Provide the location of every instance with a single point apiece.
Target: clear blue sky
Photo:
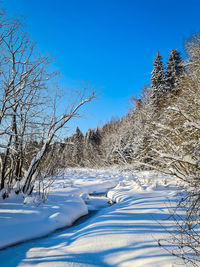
(112, 43)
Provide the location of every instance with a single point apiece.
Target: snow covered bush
(176, 146)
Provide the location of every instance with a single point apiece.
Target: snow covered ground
(124, 234)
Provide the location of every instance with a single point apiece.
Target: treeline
(129, 140)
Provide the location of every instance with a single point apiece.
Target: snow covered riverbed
(125, 234)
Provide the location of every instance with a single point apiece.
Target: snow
(23, 219)
(124, 234)
(21, 222)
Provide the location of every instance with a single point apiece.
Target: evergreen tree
(174, 70)
(79, 135)
(78, 147)
(92, 151)
(157, 80)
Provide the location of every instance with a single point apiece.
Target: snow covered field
(124, 234)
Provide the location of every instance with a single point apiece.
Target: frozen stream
(14, 255)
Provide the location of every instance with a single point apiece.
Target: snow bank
(23, 219)
(20, 222)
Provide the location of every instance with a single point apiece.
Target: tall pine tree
(77, 139)
(174, 71)
(157, 81)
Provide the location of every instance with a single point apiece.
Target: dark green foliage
(157, 80)
(77, 140)
(174, 71)
(93, 136)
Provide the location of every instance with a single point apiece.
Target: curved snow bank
(21, 219)
(124, 190)
(73, 208)
(21, 222)
(142, 183)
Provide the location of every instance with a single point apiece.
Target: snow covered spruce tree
(174, 71)
(77, 154)
(157, 81)
(92, 149)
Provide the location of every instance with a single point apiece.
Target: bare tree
(55, 125)
(23, 77)
(25, 102)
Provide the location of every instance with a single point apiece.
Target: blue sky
(111, 43)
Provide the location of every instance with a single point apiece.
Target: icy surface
(124, 234)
